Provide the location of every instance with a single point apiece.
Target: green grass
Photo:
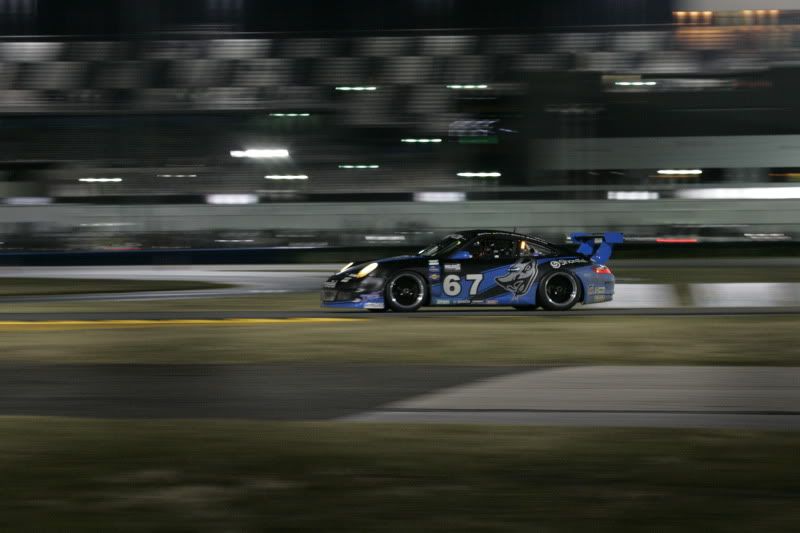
(204, 476)
(535, 338)
(42, 286)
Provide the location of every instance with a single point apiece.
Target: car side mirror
(460, 255)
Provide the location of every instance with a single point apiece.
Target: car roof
(469, 234)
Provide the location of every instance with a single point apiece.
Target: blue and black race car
(481, 267)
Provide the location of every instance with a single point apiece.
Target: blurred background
(243, 123)
(156, 376)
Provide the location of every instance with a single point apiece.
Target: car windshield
(445, 246)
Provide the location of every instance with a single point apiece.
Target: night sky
(112, 17)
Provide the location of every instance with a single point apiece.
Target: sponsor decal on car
(433, 262)
(329, 284)
(558, 263)
(373, 305)
(434, 277)
(452, 267)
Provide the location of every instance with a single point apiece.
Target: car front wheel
(405, 292)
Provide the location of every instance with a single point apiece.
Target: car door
(473, 278)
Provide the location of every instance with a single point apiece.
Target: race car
(481, 268)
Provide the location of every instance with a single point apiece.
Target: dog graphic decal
(520, 276)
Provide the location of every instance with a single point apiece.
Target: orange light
(760, 12)
(747, 12)
(675, 240)
(680, 14)
(707, 13)
(773, 12)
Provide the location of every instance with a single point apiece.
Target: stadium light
(422, 141)
(360, 167)
(231, 199)
(440, 196)
(261, 153)
(356, 88)
(479, 174)
(290, 115)
(286, 177)
(633, 195)
(382, 238)
(680, 172)
(468, 86)
(741, 193)
(100, 180)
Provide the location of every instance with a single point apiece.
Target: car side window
(528, 248)
(494, 249)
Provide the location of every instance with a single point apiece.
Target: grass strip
(52, 286)
(525, 339)
(97, 475)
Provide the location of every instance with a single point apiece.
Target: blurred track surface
(247, 280)
(267, 279)
(274, 391)
(657, 396)
(435, 314)
(654, 396)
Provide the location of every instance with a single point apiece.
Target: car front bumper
(353, 294)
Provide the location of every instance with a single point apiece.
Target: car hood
(358, 265)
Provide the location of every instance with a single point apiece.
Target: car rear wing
(598, 246)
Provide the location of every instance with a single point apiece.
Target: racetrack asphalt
(268, 391)
(645, 396)
(356, 314)
(247, 282)
(267, 279)
(655, 396)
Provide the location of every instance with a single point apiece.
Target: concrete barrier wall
(546, 216)
(635, 296)
(730, 151)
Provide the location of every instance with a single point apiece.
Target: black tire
(525, 307)
(378, 310)
(405, 292)
(559, 291)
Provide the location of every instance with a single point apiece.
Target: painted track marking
(92, 324)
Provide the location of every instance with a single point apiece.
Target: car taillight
(601, 269)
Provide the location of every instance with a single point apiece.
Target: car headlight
(348, 265)
(364, 272)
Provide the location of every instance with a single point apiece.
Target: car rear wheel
(559, 291)
(405, 292)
